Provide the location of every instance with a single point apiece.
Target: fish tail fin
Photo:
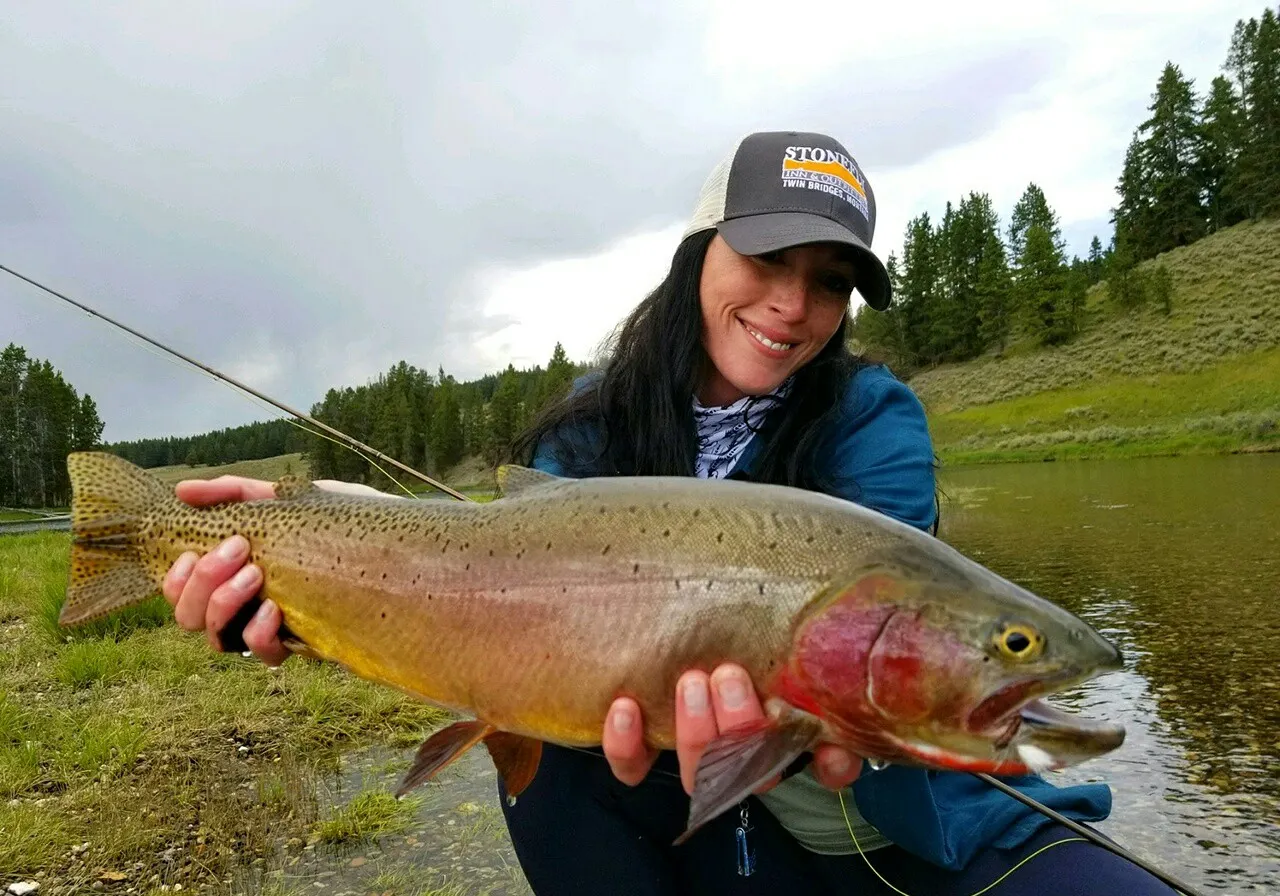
(110, 501)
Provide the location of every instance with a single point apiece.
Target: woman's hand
(705, 706)
(207, 591)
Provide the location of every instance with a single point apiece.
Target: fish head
(928, 658)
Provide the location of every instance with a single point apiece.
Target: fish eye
(1019, 642)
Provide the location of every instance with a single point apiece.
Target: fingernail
(623, 719)
(695, 696)
(838, 765)
(182, 566)
(733, 693)
(245, 579)
(264, 612)
(233, 548)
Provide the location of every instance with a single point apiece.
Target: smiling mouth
(766, 341)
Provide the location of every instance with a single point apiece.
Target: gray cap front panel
(788, 171)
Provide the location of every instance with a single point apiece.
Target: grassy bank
(269, 468)
(133, 756)
(1230, 407)
(1203, 378)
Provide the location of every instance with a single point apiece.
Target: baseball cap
(778, 189)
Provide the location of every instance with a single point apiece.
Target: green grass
(1235, 406)
(134, 736)
(369, 815)
(1201, 379)
(18, 516)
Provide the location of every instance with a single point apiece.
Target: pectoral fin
(736, 763)
(516, 758)
(440, 749)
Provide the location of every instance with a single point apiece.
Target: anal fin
(733, 765)
(516, 758)
(440, 749)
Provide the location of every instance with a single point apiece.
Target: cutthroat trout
(532, 613)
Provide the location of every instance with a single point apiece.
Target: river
(1178, 561)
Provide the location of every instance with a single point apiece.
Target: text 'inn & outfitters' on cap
(779, 189)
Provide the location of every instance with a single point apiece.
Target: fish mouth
(1027, 734)
(1013, 732)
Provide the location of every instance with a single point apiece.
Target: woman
(736, 365)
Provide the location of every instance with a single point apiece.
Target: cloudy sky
(302, 194)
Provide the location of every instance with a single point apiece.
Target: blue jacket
(881, 456)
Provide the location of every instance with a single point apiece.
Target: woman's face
(766, 316)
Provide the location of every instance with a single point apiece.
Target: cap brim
(756, 234)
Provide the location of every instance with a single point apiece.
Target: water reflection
(1178, 561)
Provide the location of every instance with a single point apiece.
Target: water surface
(1178, 561)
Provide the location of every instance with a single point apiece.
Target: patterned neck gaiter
(723, 432)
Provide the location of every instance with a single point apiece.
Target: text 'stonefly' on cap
(786, 188)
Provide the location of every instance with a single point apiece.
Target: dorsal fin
(514, 479)
(290, 485)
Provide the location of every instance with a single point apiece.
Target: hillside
(1205, 377)
(269, 468)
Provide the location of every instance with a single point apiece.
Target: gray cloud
(305, 194)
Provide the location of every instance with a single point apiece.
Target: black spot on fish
(773, 545)
(635, 570)
(666, 533)
(384, 614)
(719, 537)
(548, 545)
(606, 550)
(761, 587)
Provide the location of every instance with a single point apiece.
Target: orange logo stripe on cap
(833, 168)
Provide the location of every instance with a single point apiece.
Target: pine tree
(1032, 210)
(1132, 217)
(1254, 60)
(503, 416)
(1041, 285)
(1096, 261)
(1221, 137)
(919, 286)
(557, 380)
(13, 367)
(1169, 151)
(993, 293)
(445, 436)
(88, 426)
(882, 334)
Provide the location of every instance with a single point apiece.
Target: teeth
(776, 346)
(1035, 758)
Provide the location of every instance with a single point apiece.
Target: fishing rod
(239, 385)
(1092, 836)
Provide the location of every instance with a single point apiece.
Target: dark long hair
(639, 409)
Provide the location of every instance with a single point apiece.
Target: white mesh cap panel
(710, 209)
